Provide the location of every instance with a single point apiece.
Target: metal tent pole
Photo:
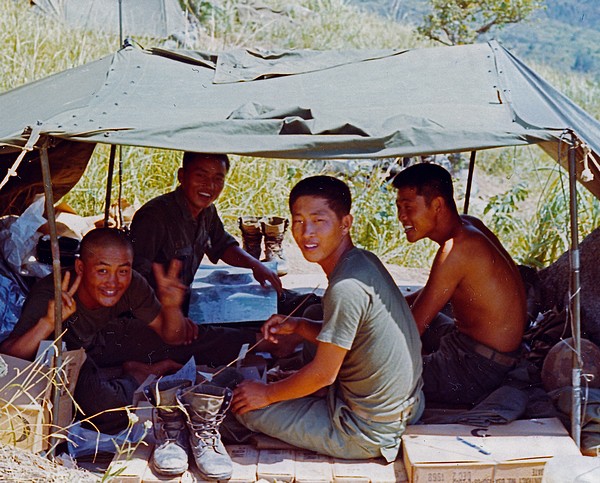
(469, 182)
(56, 271)
(574, 302)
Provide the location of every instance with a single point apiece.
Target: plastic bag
(19, 241)
(82, 441)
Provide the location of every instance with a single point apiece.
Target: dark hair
(190, 157)
(334, 191)
(104, 237)
(429, 179)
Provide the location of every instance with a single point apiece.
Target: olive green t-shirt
(365, 312)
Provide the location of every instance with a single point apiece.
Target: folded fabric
(502, 406)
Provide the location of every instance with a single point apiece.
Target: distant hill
(564, 35)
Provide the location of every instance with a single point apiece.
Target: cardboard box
(25, 400)
(500, 453)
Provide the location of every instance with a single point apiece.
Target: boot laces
(207, 431)
(173, 424)
(275, 245)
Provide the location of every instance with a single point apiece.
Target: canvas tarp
(151, 18)
(297, 104)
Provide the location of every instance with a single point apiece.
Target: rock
(554, 281)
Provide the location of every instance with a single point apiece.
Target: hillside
(519, 193)
(564, 35)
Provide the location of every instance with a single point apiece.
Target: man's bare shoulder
(466, 245)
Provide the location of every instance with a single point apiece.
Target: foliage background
(519, 192)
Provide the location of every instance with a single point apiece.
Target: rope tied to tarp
(34, 136)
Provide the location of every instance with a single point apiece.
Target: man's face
(202, 182)
(318, 230)
(415, 215)
(106, 274)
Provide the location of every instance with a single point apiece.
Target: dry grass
(23, 466)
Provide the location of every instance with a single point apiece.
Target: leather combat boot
(273, 229)
(205, 406)
(251, 235)
(170, 457)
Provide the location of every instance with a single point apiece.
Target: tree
(453, 22)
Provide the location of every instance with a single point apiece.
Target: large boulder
(554, 285)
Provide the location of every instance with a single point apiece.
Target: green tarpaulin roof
(295, 104)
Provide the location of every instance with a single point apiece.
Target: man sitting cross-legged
(368, 348)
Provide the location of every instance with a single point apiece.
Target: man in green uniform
(110, 310)
(368, 349)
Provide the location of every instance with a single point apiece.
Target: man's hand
(169, 288)
(250, 395)
(191, 331)
(264, 274)
(69, 306)
(277, 326)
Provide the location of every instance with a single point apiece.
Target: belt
(493, 355)
(405, 411)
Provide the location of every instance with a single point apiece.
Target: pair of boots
(272, 228)
(190, 417)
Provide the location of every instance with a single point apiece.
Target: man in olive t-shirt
(368, 349)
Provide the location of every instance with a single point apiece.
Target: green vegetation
(522, 194)
(454, 22)
(563, 33)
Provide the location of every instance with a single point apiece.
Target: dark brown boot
(251, 235)
(273, 229)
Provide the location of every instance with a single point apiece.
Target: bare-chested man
(468, 357)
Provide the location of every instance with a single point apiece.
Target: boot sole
(225, 476)
(163, 472)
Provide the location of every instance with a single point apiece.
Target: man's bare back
(471, 270)
(469, 357)
(488, 301)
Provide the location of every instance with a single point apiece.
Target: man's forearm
(237, 257)
(309, 330)
(174, 329)
(306, 381)
(26, 345)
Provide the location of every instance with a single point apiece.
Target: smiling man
(368, 349)
(185, 225)
(110, 311)
(469, 354)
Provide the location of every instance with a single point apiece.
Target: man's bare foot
(141, 371)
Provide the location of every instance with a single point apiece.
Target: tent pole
(575, 299)
(51, 215)
(111, 170)
(120, 23)
(469, 182)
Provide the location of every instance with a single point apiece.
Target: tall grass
(523, 202)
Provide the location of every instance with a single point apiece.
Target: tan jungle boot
(273, 229)
(251, 235)
(205, 407)
(170, 457)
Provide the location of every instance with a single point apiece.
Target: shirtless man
(469, 356)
